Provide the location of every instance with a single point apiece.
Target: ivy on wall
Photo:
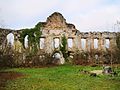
(34, 35)
(63, 47)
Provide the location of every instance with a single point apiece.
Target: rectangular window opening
(70, 42)
(95, 43)
(56, 42)
(107, 43)
(83, 43)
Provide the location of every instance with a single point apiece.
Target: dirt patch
(5, 76)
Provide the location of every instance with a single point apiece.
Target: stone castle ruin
(91, 46)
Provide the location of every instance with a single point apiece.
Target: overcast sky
(86, 15)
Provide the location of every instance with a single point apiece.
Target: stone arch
(57, 57)
(10, 39)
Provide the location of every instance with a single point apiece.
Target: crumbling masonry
(52, 31)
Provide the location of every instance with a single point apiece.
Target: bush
(81, 58)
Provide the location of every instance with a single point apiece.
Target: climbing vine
(63, 47)
(34, 35)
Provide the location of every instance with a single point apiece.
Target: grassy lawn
(66, 77)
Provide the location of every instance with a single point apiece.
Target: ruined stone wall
(54, 28)
(3, 38)
(100, 36)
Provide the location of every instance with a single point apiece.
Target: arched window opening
(26, 41)
(42, 43)
(10, 39)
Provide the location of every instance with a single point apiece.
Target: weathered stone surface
(58, 58)
(55, 27)
(107, 70)
(55, 21)
(98, 72)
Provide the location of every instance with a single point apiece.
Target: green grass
(66, 77)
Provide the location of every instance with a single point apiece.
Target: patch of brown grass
(5, 76)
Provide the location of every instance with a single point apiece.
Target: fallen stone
(98, 72)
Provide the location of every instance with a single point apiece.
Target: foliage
(66, 77)
(63, 47)
(33, 36)
(116, 56)
(81, 58)
(37, 60)
(118, 41)
(118, 49)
